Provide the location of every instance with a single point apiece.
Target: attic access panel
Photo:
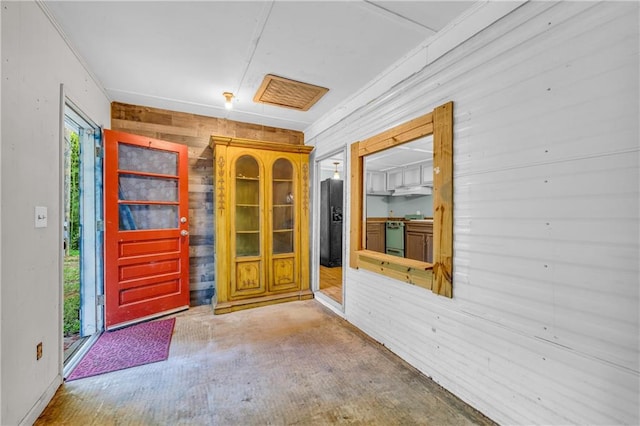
(283, 92)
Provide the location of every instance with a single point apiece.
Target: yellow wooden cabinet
(261, 223)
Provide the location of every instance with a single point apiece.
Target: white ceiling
(414, 152)
(417, 151)
(182, 55)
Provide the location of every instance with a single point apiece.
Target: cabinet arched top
(247, 166)
(282, 169)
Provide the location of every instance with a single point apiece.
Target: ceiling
(182, 55)
(417, 151)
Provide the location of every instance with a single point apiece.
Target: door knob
(184, 232)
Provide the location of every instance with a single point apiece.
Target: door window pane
(145, 188)
(148, 216)
(148, 160)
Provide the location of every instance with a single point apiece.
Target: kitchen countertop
(398, 219)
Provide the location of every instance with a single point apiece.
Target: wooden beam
(398, 135)
(357, 218)
(407, 270)
(443, 200)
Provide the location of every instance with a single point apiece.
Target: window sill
(407, 270)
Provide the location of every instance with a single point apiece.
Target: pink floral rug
(127, 347)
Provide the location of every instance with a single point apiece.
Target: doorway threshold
(329, 303)
(76, 351)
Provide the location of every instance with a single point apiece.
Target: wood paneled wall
(546, 201)
(194, 131)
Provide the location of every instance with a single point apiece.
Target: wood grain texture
(331, 282)
(376, 238)
(398, 135)
(419, 241)
(439, 122)
(173, 123)
(267, 269)
(357, 241)
(195, 131)
(443, 200)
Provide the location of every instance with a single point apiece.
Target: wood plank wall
(194, 131)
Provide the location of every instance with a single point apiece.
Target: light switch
(41, 217)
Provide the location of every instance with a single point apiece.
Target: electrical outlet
(38, 351)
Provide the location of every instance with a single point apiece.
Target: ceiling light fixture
(336, 175)
(228, 103)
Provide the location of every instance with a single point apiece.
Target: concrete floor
(295, 363)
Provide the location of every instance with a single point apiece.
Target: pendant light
(336, 175)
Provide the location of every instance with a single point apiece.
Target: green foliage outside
(72, 294)
(74, 202)
(71, 324)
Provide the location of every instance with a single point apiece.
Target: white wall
(35, 61)
(543, 324)
(1, 61)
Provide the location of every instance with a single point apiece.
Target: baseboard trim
(42, 402)
(255, 302)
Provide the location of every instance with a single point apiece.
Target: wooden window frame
(436, 276)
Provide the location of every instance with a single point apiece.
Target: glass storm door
(146, 230)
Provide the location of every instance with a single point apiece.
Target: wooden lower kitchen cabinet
(419, 240)
(376, 235)
(262, 217)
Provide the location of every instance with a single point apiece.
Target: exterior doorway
(81, 231)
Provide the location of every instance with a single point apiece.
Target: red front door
(146, 229)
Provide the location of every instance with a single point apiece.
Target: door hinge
(99, 225)
(98, 152)
(100, 300)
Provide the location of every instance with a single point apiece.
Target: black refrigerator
(331, 222)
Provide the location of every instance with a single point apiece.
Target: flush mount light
(228, 103)
(336, 175)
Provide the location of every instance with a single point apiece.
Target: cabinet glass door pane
(247, 220)
(282, 206)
